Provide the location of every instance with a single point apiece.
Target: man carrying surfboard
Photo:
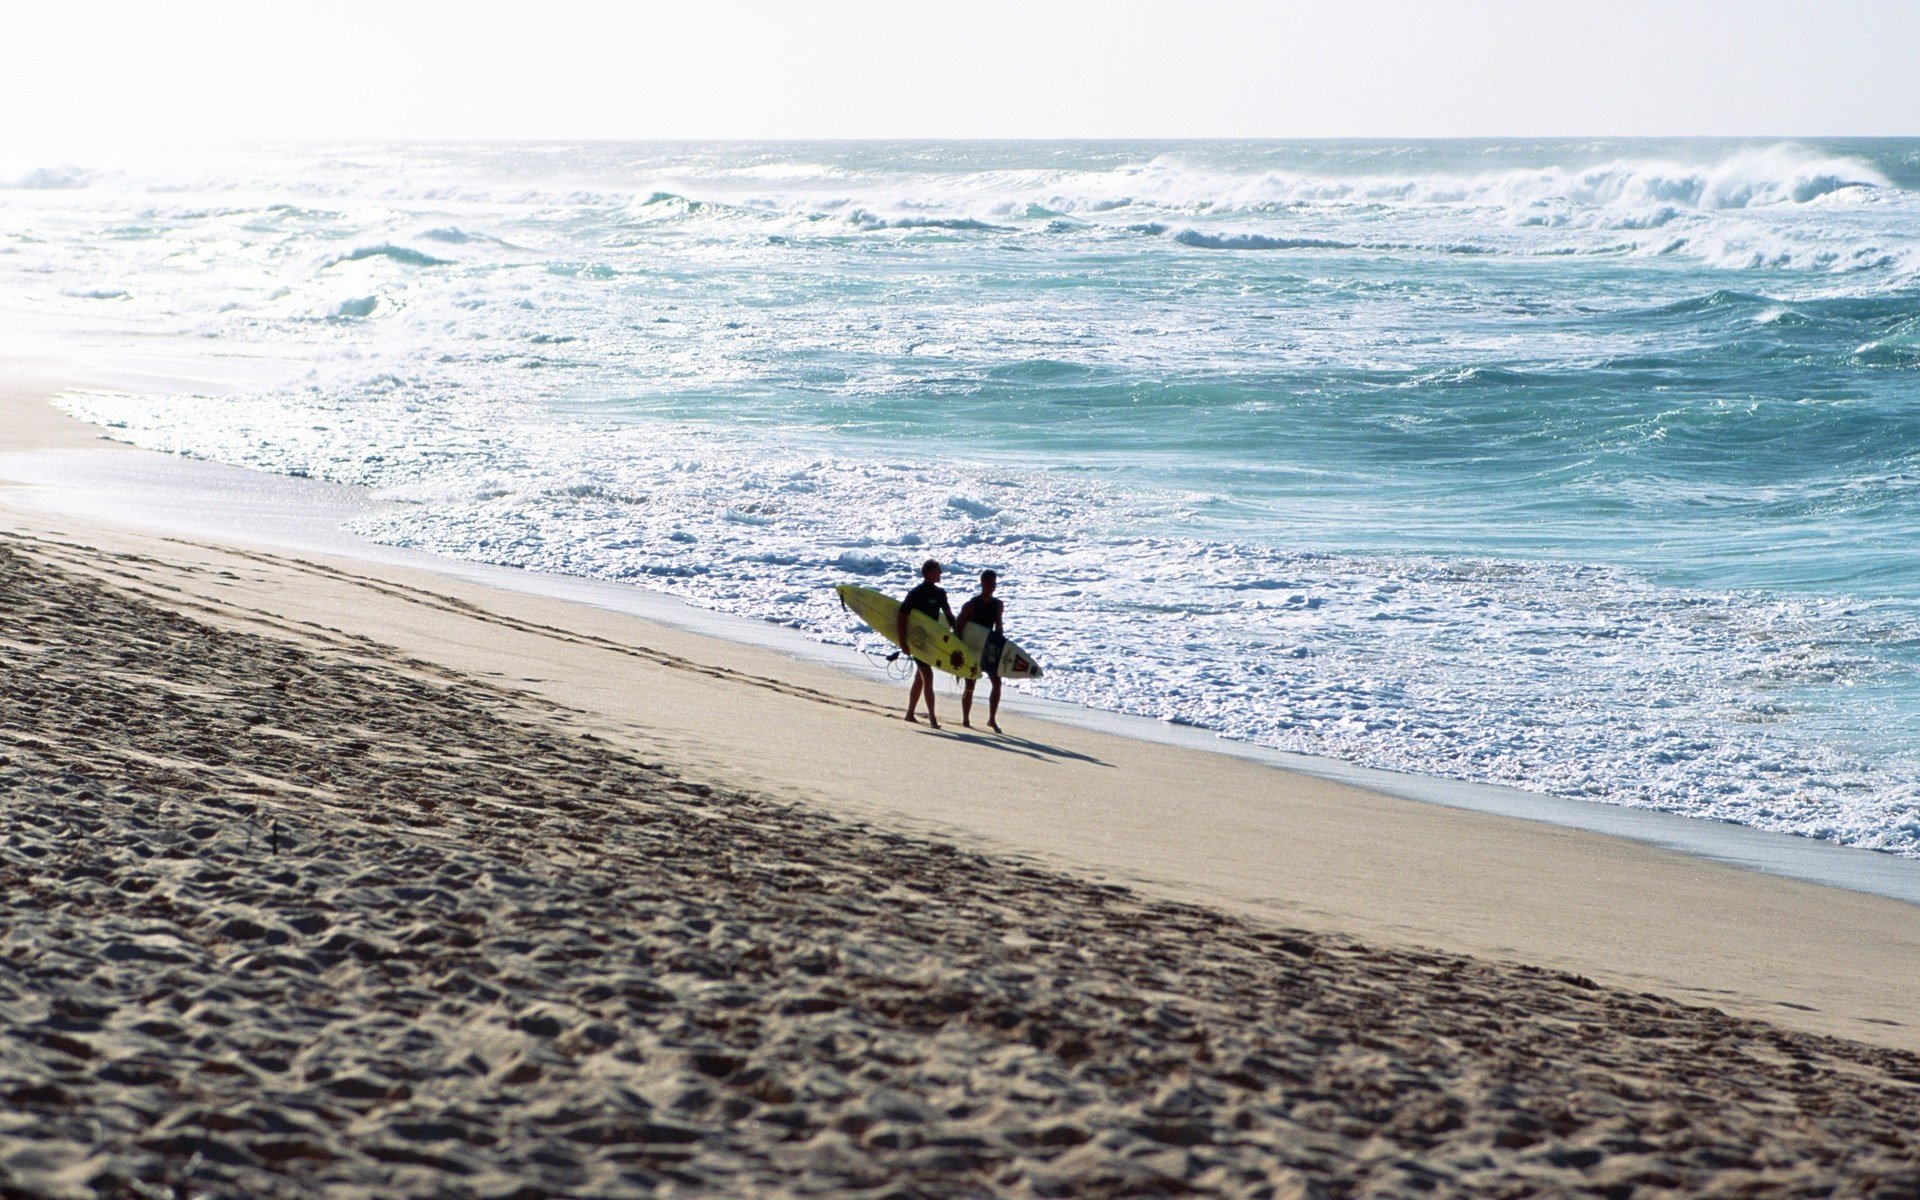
(931, 599)
(984, 610)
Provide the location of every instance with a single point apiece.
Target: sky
(87, 72)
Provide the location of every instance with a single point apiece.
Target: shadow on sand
(1025, 747)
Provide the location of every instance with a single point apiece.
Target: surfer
(930, 598)
(984, 609)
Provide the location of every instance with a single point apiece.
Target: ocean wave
(781, 171)
(1777, 175)
(1601, 251)
(1259, 241)
(1716, 213)
(866, 220)
(1650, 219)
(673, 200)
(1717, 301)
(405, 255)
(354, 309)
(1754, 252)
(627, 497)
(1784, 317)
(51, 179)
(1037, 370)
(1647, 192)
(978, 509)
(1901, 345)
(583, 270)
(1476, 376)
(856, 562)
(1656, 189)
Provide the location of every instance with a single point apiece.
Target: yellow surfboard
(928, 640)
(931, 641)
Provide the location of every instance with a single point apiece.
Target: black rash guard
(929, 598)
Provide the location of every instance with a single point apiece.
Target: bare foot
(911, 720)
(994, 725)
(965, 724)
(935, 724)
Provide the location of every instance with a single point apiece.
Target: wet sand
(322, 881)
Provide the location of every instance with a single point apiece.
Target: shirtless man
(984, 609)
(931, 599)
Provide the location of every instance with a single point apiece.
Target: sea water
(1591, 467)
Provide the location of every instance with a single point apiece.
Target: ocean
(1591, 467)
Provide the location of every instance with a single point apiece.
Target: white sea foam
(1754, 178)
(354, 308)
(404, 255)
(48, 179)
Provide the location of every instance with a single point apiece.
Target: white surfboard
(1015, 663)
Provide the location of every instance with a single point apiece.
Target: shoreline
(1188, 824)
(215, 501)
(344, 879)
(295, 915)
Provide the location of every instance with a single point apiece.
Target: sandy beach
(330, 877)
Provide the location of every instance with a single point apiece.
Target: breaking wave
(404, 255)
(51, 179)
(1654, 191)
(354, 309)
(1259, 241)
(867, 220)
(1901, 345)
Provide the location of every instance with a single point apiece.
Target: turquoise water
(1588, 466)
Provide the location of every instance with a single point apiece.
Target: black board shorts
(990, 654)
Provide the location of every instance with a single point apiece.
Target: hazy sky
(76, 73)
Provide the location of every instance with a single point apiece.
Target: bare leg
(966, 705)
(913, 698)
(926, 689)
(993, 704)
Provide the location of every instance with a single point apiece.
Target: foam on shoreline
(211, 500)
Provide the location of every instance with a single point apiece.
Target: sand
(333, 879)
